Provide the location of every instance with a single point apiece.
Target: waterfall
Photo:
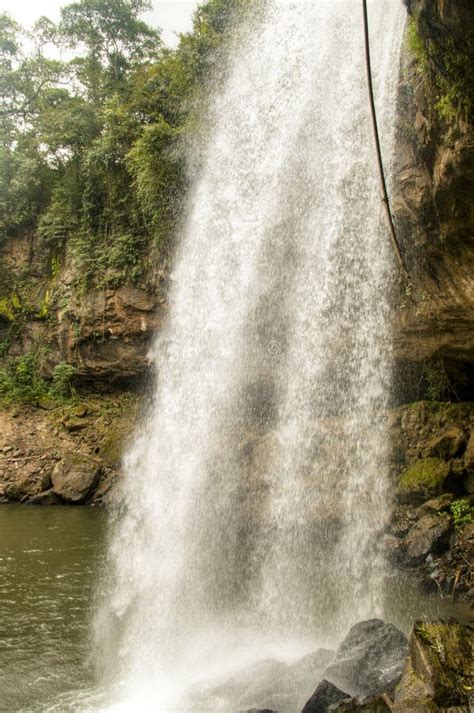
(255, 488)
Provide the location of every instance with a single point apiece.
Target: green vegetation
(424, 478)
(416, 46)
(446, 61)
(91, 148)
(21, 380)
(462, 513)
(437, 381)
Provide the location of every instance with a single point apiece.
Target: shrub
(62, 380)
(462, 513)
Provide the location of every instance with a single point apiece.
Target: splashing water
(255, 488)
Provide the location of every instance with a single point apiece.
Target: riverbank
(70, 454)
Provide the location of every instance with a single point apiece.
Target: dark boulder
(18, 490)
(430, 535)
(47, 497)
(370, 659)
(258, 710)
(373, 704)
(325, 694)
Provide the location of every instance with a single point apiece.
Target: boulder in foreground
(325, 694)
(369, 660)
(75, 477)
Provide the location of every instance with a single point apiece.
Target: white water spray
(255, 487)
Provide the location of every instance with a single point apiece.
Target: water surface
(50, 562)
(49, 559)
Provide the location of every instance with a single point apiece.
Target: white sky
(172, 16)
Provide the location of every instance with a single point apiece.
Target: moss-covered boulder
(424, 479)
(439, 672)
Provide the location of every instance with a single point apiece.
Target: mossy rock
(439, 674)
(443, 653)
(424, 479)
(114, 443)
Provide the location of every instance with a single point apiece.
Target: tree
(115, 38)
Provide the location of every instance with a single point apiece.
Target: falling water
(255, 488)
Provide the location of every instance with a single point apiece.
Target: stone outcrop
(431, 530)
(104, 333)
(434, 182)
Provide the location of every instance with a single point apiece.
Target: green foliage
(416, 45)
(462, 513)
(437, 381)
(21, 380)
(62, 380)
(91, 149)
(445, 59)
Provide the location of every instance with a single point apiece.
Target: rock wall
(104, 333)
(431, 529)
(433, 186)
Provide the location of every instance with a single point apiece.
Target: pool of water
(50, 561)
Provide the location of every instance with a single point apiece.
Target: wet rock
(436, 505)
(439, 672)
(369, 660)
(373, 704)
(430, 535)
(48, 497)
(423, 480)
(258, 710)
(18, 490)
(45, 479)
(469, 453)
(325, 694)
(468, 484)
(259, 685)
(75, 477)
(447, 444)
(275, 684)
(309, 669)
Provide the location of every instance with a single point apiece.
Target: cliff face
(434, 182)
(103, 333)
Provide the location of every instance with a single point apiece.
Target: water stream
(255, 489)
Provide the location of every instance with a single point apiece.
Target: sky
(172, 16)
